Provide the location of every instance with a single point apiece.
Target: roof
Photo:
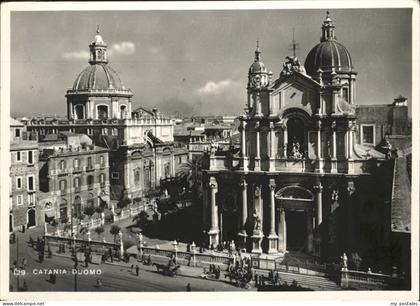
(401, 195)
(98, 76)
(14, 122)
(328, 55)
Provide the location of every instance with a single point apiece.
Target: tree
(99, 230)
(115, 229)
(141, 219)
(190, 174)
(356, 260)
(89, 211)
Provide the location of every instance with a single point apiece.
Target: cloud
(216, 88)
(77, 55)
(123, 48)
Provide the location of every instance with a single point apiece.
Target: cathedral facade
(305, 178)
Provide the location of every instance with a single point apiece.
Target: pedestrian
(98, 282)
(188, 287)
(137, 270)
(131, 268)
(24, 261)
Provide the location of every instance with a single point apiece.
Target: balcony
(77, 189)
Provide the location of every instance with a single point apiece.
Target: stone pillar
(272, 149)
(258, 151)
(272, 236)
(282, 231)
(318, 147)
(284, 141)
(121, 244)
(214, 229)
(318, 189)
(242, 234)
(309, 232)
(334, 142)
(350, 147)
(244, 156)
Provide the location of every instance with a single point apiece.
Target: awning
(49, 214)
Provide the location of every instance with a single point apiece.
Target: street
(113, 277)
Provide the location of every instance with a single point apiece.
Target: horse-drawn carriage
(168, 269)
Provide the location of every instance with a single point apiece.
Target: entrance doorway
(296, 230)
(31, 218)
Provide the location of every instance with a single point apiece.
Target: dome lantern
(328, 29)
(98, 50)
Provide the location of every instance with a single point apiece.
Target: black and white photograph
(259, 148)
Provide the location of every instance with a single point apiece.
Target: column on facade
(318, 188)
(127, 174)
(334, 140)
(346, 140)
(319, 146)
(243, 145)
(284, 141)
(351, 127)
(244, 216)
(272, 236)
(258, 150)
(282, 231)
(214, 229)
(271, 148)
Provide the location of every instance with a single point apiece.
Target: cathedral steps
(306, 281)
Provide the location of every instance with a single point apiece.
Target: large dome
(98, 76)
(326, 56)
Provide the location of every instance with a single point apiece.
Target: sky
(196, 62)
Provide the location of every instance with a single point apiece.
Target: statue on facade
(291, 65)
(257, 221)
(296, 154)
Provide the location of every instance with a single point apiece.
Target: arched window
(123, 111)
(76, 164)
(102, 179)
(63, 185)
(102, 112)
(62, 165)
(76, 182)
(90, 181)
(79, 112)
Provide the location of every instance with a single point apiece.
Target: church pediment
(295, 91)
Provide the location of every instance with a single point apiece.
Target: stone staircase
(307, 281)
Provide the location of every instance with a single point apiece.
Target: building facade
(24, 183)
(73, 174)
(304, 179)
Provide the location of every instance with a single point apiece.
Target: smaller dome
(98, 76)
(257, 67)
